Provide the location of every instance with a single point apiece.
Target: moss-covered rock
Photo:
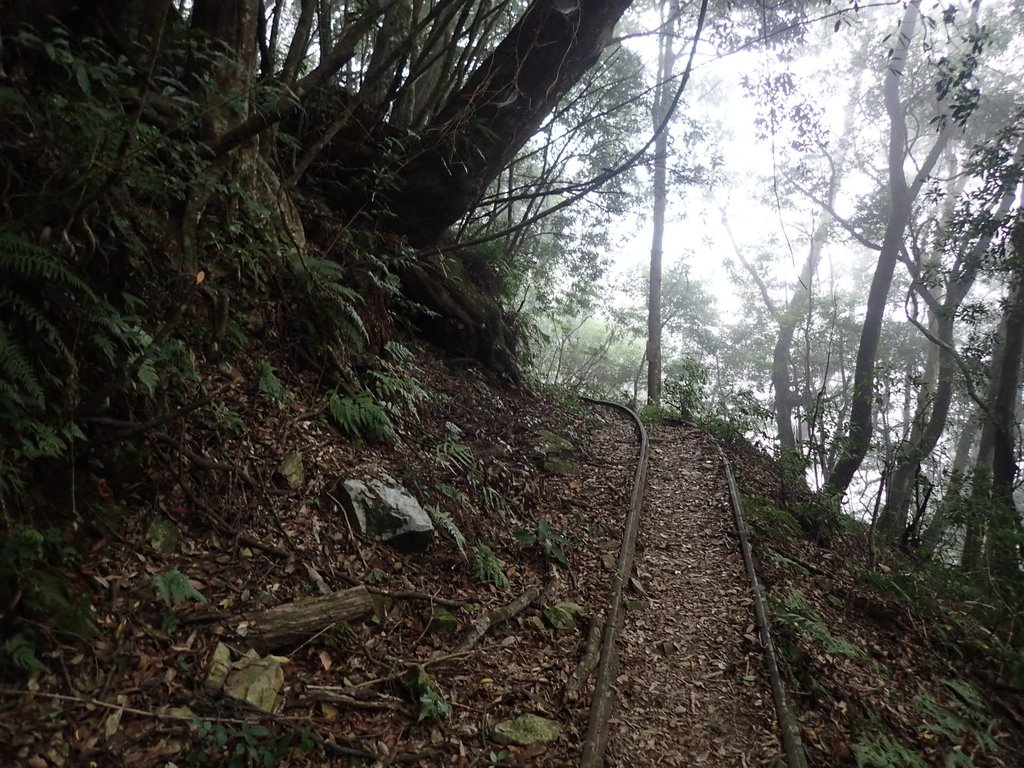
(562, 616)
(163, 536)
(526, 730)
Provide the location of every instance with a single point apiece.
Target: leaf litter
(692, 688)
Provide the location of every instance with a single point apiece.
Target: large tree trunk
(929, 424)
(1002, 547)
(901, 197)
(501, 106)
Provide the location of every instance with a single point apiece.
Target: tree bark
(662, 102)
(1002, 549)
(501, 106)
(901, 197)
(939, 523)
(296, 621)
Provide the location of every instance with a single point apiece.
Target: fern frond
(398, 352)
(361, 417)
(488, 568)
(39, 322)
(401, 393)
(323, 281)
(444, 520)
(18, 370)
(455, 457)
(20, 257)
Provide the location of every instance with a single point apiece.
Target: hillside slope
(529, 495)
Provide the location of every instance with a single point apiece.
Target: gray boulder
(386, 512)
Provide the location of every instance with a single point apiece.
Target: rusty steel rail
(596, 739)
(601, 703)
(792, 745)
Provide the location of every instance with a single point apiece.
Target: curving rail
(596, 739)
(601, 704)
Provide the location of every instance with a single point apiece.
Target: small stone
(292, 471)
(257, 680)
(562, 616)
(441, 622)
(163, 536)
(526, 730)
(220, 665)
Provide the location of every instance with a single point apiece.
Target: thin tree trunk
(939, 524)
(666, 63)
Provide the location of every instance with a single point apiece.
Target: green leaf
(174, 587)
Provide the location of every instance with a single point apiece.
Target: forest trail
(692, 685)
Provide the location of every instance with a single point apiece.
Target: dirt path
(692, 688)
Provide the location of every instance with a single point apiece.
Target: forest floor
(880, 672)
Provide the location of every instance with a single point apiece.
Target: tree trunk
(662, 102)
(901, 195)
(929, 422)
(927, 433)
(298, 620)
(936, 529)
(501, 106)
(1002, 548)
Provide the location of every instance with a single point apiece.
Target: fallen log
(300, 619)
(480, 627)
(586, 665)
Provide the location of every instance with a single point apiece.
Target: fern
(22, 654)
(797, 616)
(443, 519)
(361, 417)
(17, 305)
(270, 387)
(882, 751)
(398, 352)
(488, 568)
(173, 587)
(492, 498)
(20, 374)
(403, 394)
(455, 456)
(322, 281)
(24, 259)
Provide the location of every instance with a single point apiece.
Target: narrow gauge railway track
(688, 675)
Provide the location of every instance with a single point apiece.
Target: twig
(204, 463)
(335, 695)
(134, 428)
(105, 704)
(222, 526)
(480, 627)
(351, 533)
(410, 595)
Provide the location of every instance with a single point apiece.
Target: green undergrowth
(966, 618)
(770, 519)
(795, 618)
(954, 728)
